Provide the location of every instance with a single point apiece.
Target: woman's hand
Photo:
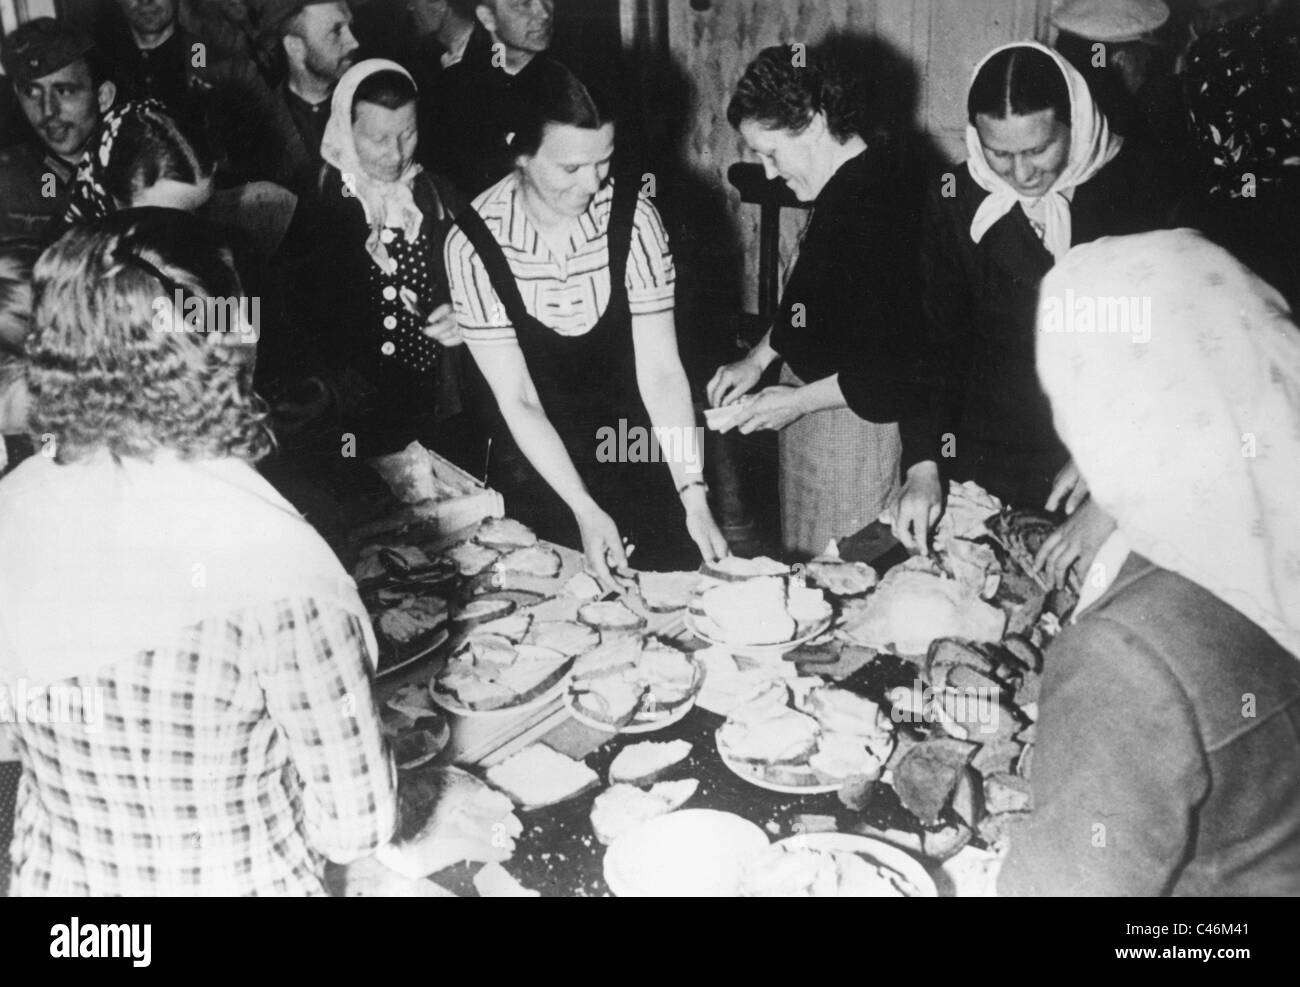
(1072, 547)
(443, 327)
(773, 408)
(601, 544)
(1070, 485)
(734, 380)
(919, 507)
(704, 530)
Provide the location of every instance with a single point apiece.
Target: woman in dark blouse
(843, 327)
(1043, 172)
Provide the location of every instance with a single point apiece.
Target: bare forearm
(667, 399)
(541, 443)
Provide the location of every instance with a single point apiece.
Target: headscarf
(1092, 147)
(1191, 439)
(385, 203)
(89, 198)
(111, 558)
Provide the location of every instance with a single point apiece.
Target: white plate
(874, 850)
(772, 651)
(451, 705)
(690, 853)
(751, 774)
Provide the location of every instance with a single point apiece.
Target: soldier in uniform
(63, 90)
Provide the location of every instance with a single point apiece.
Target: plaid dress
(234, 760)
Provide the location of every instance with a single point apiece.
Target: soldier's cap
(275, 13)
(1111, 21)
(42, 46)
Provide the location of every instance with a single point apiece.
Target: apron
(587, 387)
(838, 472)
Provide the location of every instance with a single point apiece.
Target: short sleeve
(651, 278)
(479, 309)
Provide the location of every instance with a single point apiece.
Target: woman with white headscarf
(371, 286)
(1044, 172)
(1168, 750)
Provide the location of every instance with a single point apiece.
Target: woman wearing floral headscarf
(1044, 172)
(371, 287)
(141, 158)
(1168, 751)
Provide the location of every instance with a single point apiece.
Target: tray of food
(760, 616)
(805, 738)
(409, 628)
(489, 675)
(634, 686)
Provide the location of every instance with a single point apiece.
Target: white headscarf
(384, 203)
(1190, 440)
(1092, 147)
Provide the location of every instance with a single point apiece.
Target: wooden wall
(942, 40)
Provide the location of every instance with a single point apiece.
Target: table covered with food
(858, 725)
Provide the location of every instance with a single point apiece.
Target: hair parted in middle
(1019, 81)
(783, 89)
(102, 375)
(557, 97)
(390, 89)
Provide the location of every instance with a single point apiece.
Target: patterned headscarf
(89, 198)
(385, 203)
(1186, 421)
(1092, 147)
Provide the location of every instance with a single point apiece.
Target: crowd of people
(444, 228)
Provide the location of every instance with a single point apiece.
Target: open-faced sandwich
(630, 682)
(759, 612)
(664, 592)
(490, 673)
(505, 534)
(610, 616)
(538, 561)
(734, 569)
(414, 617)
(471, 558)
(821, 737)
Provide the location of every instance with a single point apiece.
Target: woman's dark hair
(390, 89)
(1017, 82)
(150, 148)
(783, 89)
(557, 97)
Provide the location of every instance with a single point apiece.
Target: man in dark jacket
(61, 87)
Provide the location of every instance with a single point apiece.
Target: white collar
(1101, 575)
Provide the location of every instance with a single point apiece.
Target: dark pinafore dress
(587, 387)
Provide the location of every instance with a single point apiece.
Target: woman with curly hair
(843, 327)
(190, 661)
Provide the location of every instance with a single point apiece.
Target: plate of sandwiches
(758, 617)
(408, 629)
(834, 865)
(631, 685)
(805, 738)
(490, 675)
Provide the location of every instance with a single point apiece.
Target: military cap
(42, 46)
(1111, 21)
